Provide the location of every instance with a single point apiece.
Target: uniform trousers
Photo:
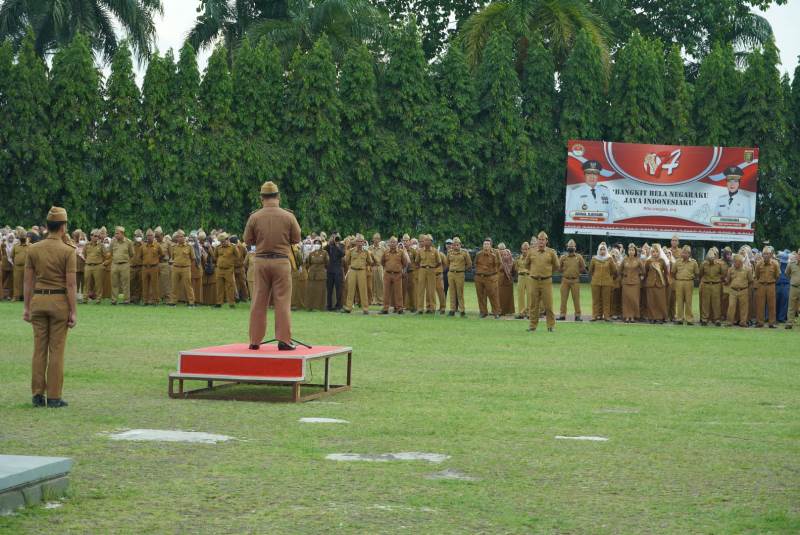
(226, 286)
(49, 316)
(738, 303)
(455, 281)
(570, 287)
(273, 283)
(377, 285)
(440, 296)
(181, 284)
(150, 284)
(241, 284)
(409, 290)
(765, 297)
(683, 290)
(523, 293)
(794, 304)
(93, 281)
(121, 281)
(601, 301)
(671, 301)
(542, 297)
(486, 288)
(426, 289)
(710, 301)
(392, 290)
(136, 284)
(19, 279)
(356, 281)
(164, 280)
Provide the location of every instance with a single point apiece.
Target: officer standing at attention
(151, 256)
(487, 265)
(50, 306)
(542, 262)
(793, 274)
(394, 261)
(225, 259)
(766, 274)
(121, 256)
(740, 279)
(19, 254)
(182, 260)
(136, 267)
(429, 261)
(273, 231)
(712, 271)
(357, 260)
(571, 266)
(684, 271)
(460, 262)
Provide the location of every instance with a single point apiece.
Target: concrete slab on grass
(27, 480)
(451, 474)
(163, 435)
(588, 438)
(322, 421)
(386, 457)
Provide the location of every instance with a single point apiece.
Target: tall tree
(361, 136)
(636, 113)
(716, 92)
(677, 101)
(220, 191)
(317, 187)
(505, 154)
(6, 73)
(75, 111)
(56, 23)
(584, 82)
(122, 151)
(186, 144)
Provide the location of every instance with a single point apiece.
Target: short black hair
(270, 195)
(54, 226)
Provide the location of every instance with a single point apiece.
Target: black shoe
(254, 347)
(463, 314)
(451, 313)
(788, 326)
(420, 313)
(690, 323)
(703, 323)
(383, 312)
(531, 329)
(217, 306)
(365, 312)
(344, 311)
(484, 315)
(549, 329)
(561, 318)
(717, 323)
(169, 304)
(428, 312)
(578, 318)
(771, 325)
(283, 346)
(399, 311)
(38, 401)
(441, 312)
(113, 302)
(56, 403)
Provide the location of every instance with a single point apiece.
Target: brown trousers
(377, 285)
(440, 291)
(601, 301)
(241, 284)
(739, 302)
(197, 288)
(523, 294)
(19, 279)
(93, 281)
(426, 289)
(455, 287)
(226, 287)
(486, 288)
(121, 282)
(393, 291)
(683, 290)
(136, 284)
(542, 297)
(273, 283)
(164, 280)
(356, 281)
(710, 301)
(181, 285)
(409, 295)
(150, 285)
(657, 303)
(631, 294)
(671, 301)
(570, 287)
(49, 315)
(765, 298)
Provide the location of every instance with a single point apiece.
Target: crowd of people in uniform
(647, 283)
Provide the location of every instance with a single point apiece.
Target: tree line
(389, 142)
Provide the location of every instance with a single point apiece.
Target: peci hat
(734, 172)
(542, 235)
(457, 240)
(571, 243)
(138, 232)
(222, 236)
(57, 214)
(269, 188)
(592, 167)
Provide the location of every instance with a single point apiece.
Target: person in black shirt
(335, 277)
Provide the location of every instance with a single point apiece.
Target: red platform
(236, 364)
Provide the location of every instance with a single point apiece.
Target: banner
(657, 191)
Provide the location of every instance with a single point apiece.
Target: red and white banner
(656, 191)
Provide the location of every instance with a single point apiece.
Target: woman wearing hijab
(656, 281)
(602, 270)
(632, 275)
(505, 283)
(616, 292)
(316, 264)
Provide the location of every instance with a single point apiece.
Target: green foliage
(583, 94)
(316, 186)
(74, 112)
(715, 98)
(187, 145)
(6, 80)
(121, 145)
(636, 113)
(677, 102)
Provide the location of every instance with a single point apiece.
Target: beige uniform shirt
(459, 261)
(51, 259)
(542, 264)
(571, 266)
(685, 270)
(121, 250)
(272, 230)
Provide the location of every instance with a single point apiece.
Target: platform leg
(170, 390)
(210, 384)
(327, 374)
(180, 386)
(349, 368)
(296, 392)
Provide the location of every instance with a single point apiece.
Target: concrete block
(54, 488)
(33, 494)
(11, 501)
(19, 470)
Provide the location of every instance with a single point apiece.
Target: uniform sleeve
(467, 260)
(72, 261)
(294, 232)
(29, 261)
(554, 261)
(249, 236)
(581, 263)
(130, 249)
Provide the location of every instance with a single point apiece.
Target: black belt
(60, 291)
(182, 267)
(795, 285)
(92, 264)
(765, 283)
(738, 289)
(541, 278)
(392, 272)
(486, 274)
(150, 265)
(454, 271)
(357, 269)
(119, 263)
(710, 282)
(271, 255)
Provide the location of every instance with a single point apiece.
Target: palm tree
(557, 21)
(229, 20)
(55, 23)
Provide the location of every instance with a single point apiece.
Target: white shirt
(737, 205)
(582, 200)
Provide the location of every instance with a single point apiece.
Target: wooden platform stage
(235, 364)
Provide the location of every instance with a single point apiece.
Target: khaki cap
(542, 235)
(631, 245)
(201, 235)
(687, 249)
(376, 235)
(269, 188)
(180, 233)
(457, 240)
(138, 232)
(406, 237)
(571, 243)
(159, 230)
(119, 229)
(57, 214)
(738, 257)
(222, 236)
(150, 232)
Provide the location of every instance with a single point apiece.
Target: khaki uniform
(460, 262)
(121, 256)
(357, 262)
(393, 264)
(238, 271)
(181, 284)
(632, 274)
(523, 286)
(51, 260)
(151, 255)
(316, 265)
(224, 258)
(712, 272)
(18, 254)
(740, 281)
(164, 279)
(487, 266)
(429, 262)
(656, 282)
(603, 273)
(197, 275)
(93, 275)
(136, 273)
(107, 263)
(409, 282)
(571, 267)
(684, 272)
(793, 273)
(299, 280)
(272, 230)
(440, 297)
(672, 289)
(8, 274)
(377, 274)
(250, 272)
(766, 274)
(541, 266)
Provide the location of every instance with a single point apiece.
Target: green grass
(706, 438)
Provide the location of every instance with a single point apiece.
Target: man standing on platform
(487, 266)
(50, 306)
(571, 266)
(273, 231)
(684, 271)
(542, 262)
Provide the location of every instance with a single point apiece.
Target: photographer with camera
(336, 252)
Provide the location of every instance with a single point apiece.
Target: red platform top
(267, 350)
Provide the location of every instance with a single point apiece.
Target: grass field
(703, 427)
